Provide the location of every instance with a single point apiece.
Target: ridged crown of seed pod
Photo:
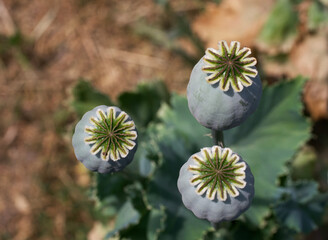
(105, 139)
(224, 87)
(216, 184)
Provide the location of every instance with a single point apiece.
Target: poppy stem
(218, 138)
(216, 226)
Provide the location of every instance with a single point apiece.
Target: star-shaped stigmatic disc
(230, 66)
(219, 172)
(111, 134)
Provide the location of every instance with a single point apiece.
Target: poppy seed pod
(224, 87)
(105, 139)
(216, 184)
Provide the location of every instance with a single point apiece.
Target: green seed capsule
(224, 87)
(105, 139)
(216, 184)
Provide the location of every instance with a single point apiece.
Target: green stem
(218, 138)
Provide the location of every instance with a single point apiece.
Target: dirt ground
(45, 47)
(42, 191)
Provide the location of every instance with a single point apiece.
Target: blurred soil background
(46, 46)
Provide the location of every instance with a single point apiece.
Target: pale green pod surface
(105, 139)
(224, 87)
(216, 184)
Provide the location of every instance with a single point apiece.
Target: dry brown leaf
(229, 21)
(25, 229)
(7, 26)
(316, 99)
(99, 230)
(82, 175)
(310, 58)
(21, 203)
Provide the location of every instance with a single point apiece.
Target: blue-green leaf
(109, 193)
(178, 137)
(156, 223)
(126, 217)
(269, 139)
(302, 206)
(179, 119)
